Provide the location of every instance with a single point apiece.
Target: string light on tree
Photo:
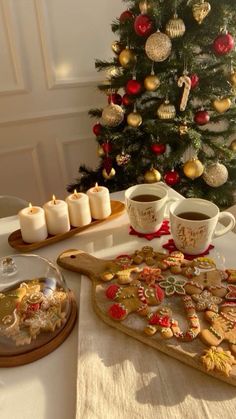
(215, 175)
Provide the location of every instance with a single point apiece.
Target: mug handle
(167, 208)
(229, 227)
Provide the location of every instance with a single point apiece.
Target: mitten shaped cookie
(133, 298)
(223, 327)
(210, 280)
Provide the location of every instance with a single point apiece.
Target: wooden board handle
(83, 263)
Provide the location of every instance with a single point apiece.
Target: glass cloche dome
(35, 307)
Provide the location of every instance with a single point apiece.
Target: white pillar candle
(79, 209)
(99, 200)
(57, 216)
(33, 224)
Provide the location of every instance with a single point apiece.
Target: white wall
(47, 85)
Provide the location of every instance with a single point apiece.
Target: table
(145, 380)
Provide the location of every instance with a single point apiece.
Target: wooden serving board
(15, 239)
(26, 355)
(187, 352)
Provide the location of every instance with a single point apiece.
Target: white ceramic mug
(147, 216)
(192, 236)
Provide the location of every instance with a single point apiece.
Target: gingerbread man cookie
(162, 321)
(223, 327)
(146, 254)
(133, 298)
(210, 280)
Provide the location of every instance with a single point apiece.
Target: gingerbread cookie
(146, 254)
(133, 298)
(223, 327)
(162, 321)
(206, 301)
(150, 275)
(231, 294)
(217, 359)
(231, 276)
(173, 286)
(193, 320)
(210, 280)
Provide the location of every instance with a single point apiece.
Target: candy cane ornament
(186, 81)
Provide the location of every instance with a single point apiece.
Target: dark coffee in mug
(145, 198)
(193, 216)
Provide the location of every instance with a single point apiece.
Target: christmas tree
(171, 110)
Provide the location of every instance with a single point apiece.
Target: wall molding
(46, 116)
(34, 152)
(52, 82)
(15, 58)
(61, 145)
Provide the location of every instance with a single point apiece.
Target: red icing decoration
(160, 294)
(117, 312)
(156, 319)
(111, 291)
(163, 231)
(170, 246)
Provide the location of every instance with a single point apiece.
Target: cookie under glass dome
(35, 305)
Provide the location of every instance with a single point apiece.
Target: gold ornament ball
(233, 145)
(215, 175)
(175, 27)
(117, 47)
(193, 169)
(100, 151)
(134, 119)
(152, 176)
(158, 47)
(166, 110)
(110, 175)
(112, 115)
(145, 6)
(127, 58)
(201, 10)
(233, 78)
(151, 83)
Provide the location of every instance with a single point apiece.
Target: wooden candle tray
(15, 239)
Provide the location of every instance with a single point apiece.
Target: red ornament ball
(97, 129)
(194, 81)
(172, 177)
(115, 98)
(133, 87)
(158, 148)
(126, 15)
(126, 100)
(201, 117)
(143, 25)
(223, 44)
(107, 147)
